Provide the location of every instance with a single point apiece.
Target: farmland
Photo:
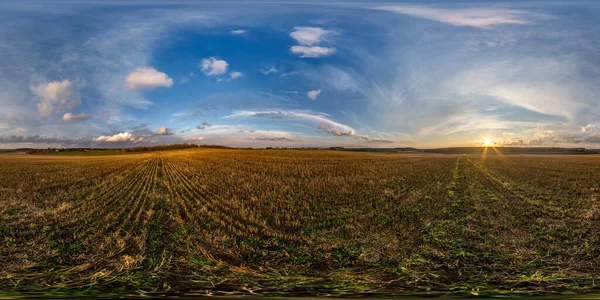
(269, 222)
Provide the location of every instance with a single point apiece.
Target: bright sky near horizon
(293, 74)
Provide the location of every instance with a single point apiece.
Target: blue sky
(293, 74)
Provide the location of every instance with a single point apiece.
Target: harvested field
(294, 222)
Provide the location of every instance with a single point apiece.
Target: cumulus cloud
(312, 51)
(589, 128)
(320, 119)
(213, 67)
(145, 78)
(122, 137)
(239, 32)
(313, 94)
(474, 17)
(310, 35)
(69, 117)
(163, 131)
(308, 38)
(235, 74)
(196, 139)
(268, 71)
(56, 95)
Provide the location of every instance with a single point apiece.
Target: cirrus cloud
(474, 17)
(239, 32)
(312, 51)
(320, 119)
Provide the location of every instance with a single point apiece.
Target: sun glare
(488, 142)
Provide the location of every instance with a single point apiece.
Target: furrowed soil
(292, 222)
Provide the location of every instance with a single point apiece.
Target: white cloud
(240, 135)
(117, 138)
(474, 17)
(313, 94)
(541, 85)
(235, 74)
(336, 131)
(312, 51)
(269, 71)
(212, 66)
(69, 117)
(552, 138)
(321, 120)
(147, 78)
(239, 32)
(308, 38)
(271, 139)
(589, 128)
(163, 131)
(56, 95)
(310, 35)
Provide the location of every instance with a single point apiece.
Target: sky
(299, 74)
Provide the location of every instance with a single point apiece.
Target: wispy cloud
(56, 95)
(41, 139)
(271, 139)
(551, 138)
(239, 32)
(542, 85)
(322, 120)
(268, 71)
(474, 17)
(312, 51)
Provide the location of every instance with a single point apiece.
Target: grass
(236, 222)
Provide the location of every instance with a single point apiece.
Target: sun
(488, 142)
